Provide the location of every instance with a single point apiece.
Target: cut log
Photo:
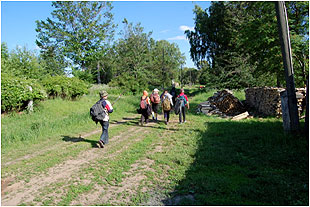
(241, 116)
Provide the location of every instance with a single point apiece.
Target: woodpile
(222, 103)
(266, 101)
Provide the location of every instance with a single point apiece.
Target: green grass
(207, 161)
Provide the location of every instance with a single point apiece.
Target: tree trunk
(98, 73)
(304, 75)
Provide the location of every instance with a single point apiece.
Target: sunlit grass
(207, 161)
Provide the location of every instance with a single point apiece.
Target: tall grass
(55, 117)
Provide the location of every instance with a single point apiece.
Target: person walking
(145, 107)
(167, 104)
(155, 100)
(173, 93)
(185, 103)
(107, 106)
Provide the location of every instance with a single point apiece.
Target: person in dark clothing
(166, 105)
(104, 138)
(173, 93)
(155, 100)
(185, 104)
(145, 108)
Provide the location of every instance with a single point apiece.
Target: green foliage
(140, 61)
(240, 41)
(65, 87)
(129, 83)
(21, 62)
(84, 75)
(77, 31)
(165, 63)
(15, 93)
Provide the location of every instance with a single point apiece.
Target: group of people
(149, 105)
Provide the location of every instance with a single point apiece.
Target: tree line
(80, 37)
(236, 44)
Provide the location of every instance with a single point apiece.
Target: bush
(15, 92)
(65, 87)
(130, 84)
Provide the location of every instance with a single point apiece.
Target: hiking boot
(166, 122)
(184, 121)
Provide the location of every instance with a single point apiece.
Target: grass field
(49, 158)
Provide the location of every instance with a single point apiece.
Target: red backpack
(143, 104)
(156, 98)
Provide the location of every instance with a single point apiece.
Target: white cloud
(182, 37)
(183, 28)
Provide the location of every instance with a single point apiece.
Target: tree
(4, 56)
(166, 61)
(131, 55)
(241, 43)
(216, 39)
(77, 32)
(298, 16)
(53, 63)
(139, 61)
(21, 62)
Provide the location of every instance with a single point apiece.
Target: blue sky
(166, 19)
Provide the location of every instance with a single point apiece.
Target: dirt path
(24, 192)
(47, 147)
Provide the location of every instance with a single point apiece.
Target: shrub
(15, 92)
(65, 87)
(130, 84)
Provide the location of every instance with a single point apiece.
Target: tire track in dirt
(134, 178)
(57, 145)
(22, 191)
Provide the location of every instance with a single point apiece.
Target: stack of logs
(223, 104)
(267, 100)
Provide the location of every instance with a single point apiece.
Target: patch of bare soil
(47, 147)
(23, 192)
(135, 178)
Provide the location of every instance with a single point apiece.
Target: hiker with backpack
(167, 104)
(100, 113)
(173, 93)
(145, 108)
(155, 100)
(181, 103)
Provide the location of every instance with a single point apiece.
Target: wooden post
(288, 65)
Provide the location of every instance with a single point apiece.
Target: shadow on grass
(80, 139)
(159, 124)
(246, 163)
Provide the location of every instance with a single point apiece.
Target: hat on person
(156, 90)
(103, 93)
